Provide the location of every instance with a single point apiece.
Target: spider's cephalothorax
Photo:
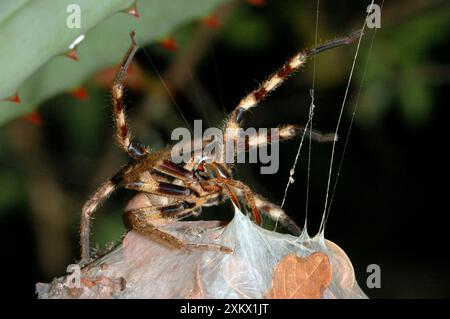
(177, 191)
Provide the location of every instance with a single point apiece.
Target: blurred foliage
(258, 33)
(11, 190)
(398, 66)
(33, 32)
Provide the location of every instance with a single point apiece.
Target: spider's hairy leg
(289, 131)
(122, 134)
(169, 212)
(160, 188)
(100, 195)
(276, 213)
(174, 170)
(235, 120)
(335, 43)
(286, 132)
(145, 220)
(269, 209)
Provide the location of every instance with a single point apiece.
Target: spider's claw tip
(355, 35)
(133, 37)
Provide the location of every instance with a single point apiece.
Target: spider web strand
(322, 223)
(351, 121)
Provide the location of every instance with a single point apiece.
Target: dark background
(390, 206)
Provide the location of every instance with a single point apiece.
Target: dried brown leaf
(301, 277)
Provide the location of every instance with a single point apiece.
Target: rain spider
(177, 191)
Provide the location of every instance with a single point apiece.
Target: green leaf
(395, 69)
(34, 32)
(33, 35)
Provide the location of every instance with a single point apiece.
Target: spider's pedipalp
(260, 206)
(245, 192)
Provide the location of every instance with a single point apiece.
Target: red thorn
(212, 22)
(133, 10)
(80, 93)
(169, 44)
(72, 54)
(257, 3)
(34, 118)
(15, 98)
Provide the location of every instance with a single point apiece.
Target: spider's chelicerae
(178, 191)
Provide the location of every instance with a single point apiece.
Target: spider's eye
(200, 171)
